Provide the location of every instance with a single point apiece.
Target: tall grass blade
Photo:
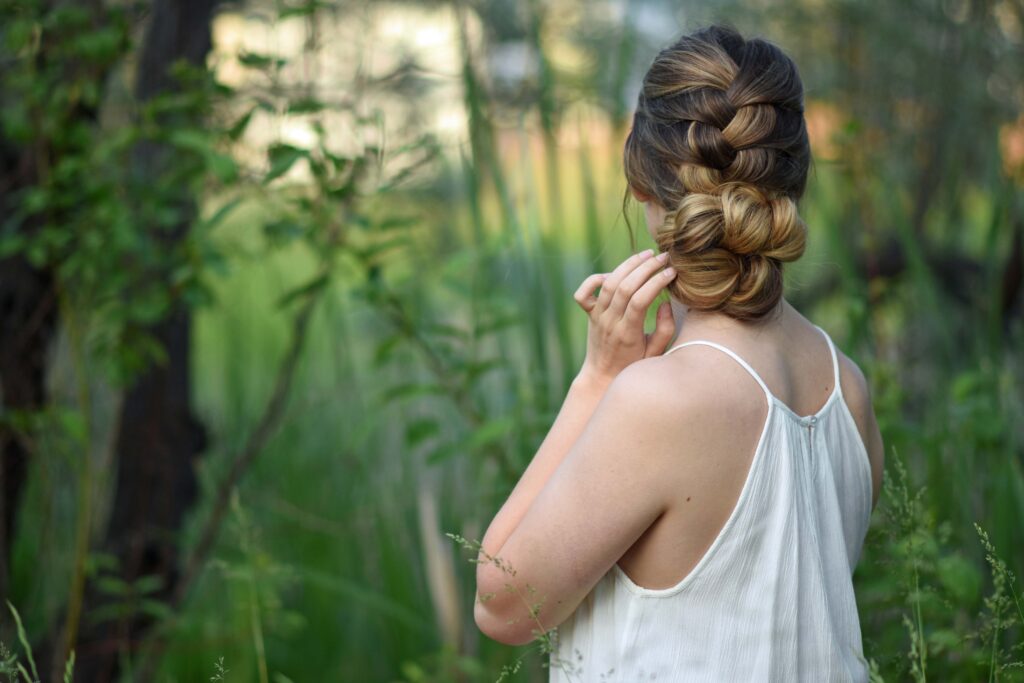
(441, 579)
(23, 639)
(69, 668)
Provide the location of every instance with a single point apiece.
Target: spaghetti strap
(835, 359)
(735, 357)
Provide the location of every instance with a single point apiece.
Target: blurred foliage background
(285, 297)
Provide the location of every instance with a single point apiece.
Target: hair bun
(756, 225)
(728, 247)
(720, 142)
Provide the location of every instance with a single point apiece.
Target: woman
(696, 514)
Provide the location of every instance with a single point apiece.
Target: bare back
(718, 432)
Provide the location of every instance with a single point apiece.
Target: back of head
(719, 141)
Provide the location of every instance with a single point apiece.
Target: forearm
(584, 394)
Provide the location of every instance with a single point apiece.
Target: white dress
(772, 598)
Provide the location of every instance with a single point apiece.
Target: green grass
(327, 578)
(340, 563)
(330, 567)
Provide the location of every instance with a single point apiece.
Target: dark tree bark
(28, 320)
(159, 438)
(28, 323)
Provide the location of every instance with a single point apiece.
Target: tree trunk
(159, 438)
(28, 320)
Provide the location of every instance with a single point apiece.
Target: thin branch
(254, 445)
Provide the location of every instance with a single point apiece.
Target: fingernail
(663, 256)
(669, 272)
(647, 253)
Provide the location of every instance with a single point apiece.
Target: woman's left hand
(615, 335)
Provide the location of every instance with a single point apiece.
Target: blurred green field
(434, 367)
(333, 561)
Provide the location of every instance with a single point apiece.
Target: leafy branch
(457, 390)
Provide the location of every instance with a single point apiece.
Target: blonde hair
(720, 142)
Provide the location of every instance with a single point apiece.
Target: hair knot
(719, 140)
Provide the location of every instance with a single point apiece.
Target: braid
(719, 141)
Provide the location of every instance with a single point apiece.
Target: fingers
(624, 295)
(584, 296)
(637, 305)
(611, 283)
(664, 328)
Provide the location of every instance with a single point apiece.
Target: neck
(689, 321)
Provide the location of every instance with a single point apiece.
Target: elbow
(499, 627)
(498, 609)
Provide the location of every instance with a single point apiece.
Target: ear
(640, 196)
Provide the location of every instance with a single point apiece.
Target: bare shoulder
(857, 394)
(854, 384)
(696, 393)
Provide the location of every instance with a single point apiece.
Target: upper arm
(604, 494)
(858, 397)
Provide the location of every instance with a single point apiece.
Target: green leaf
(73, 423)
(11, 244)
(965, 384)
(490, 432)
(112, 585)
(444, 452)
(386, 349)
(499, 323)
(305, 105)
(100, 45)
(960, 578)
(306, 289)
(302, 10)
(371, 252)
(279, 233)
(411, 389)
(116, 141)
(147, 584)
(98, 560)
(69, 668)
(197, 294)
(413, 672)
(191, 140)
(223, 166)
(238, 127)
(339, 162)
(396, 223)
(220, 213)
(477, 369)
(419, 430)
(155, 608)
(282, 157)
(944, 640)
(255, 60)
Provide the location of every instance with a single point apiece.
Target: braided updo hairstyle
(719, 141)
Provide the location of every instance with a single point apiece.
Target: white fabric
(772, 598)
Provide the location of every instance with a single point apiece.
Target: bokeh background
(285, 299)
